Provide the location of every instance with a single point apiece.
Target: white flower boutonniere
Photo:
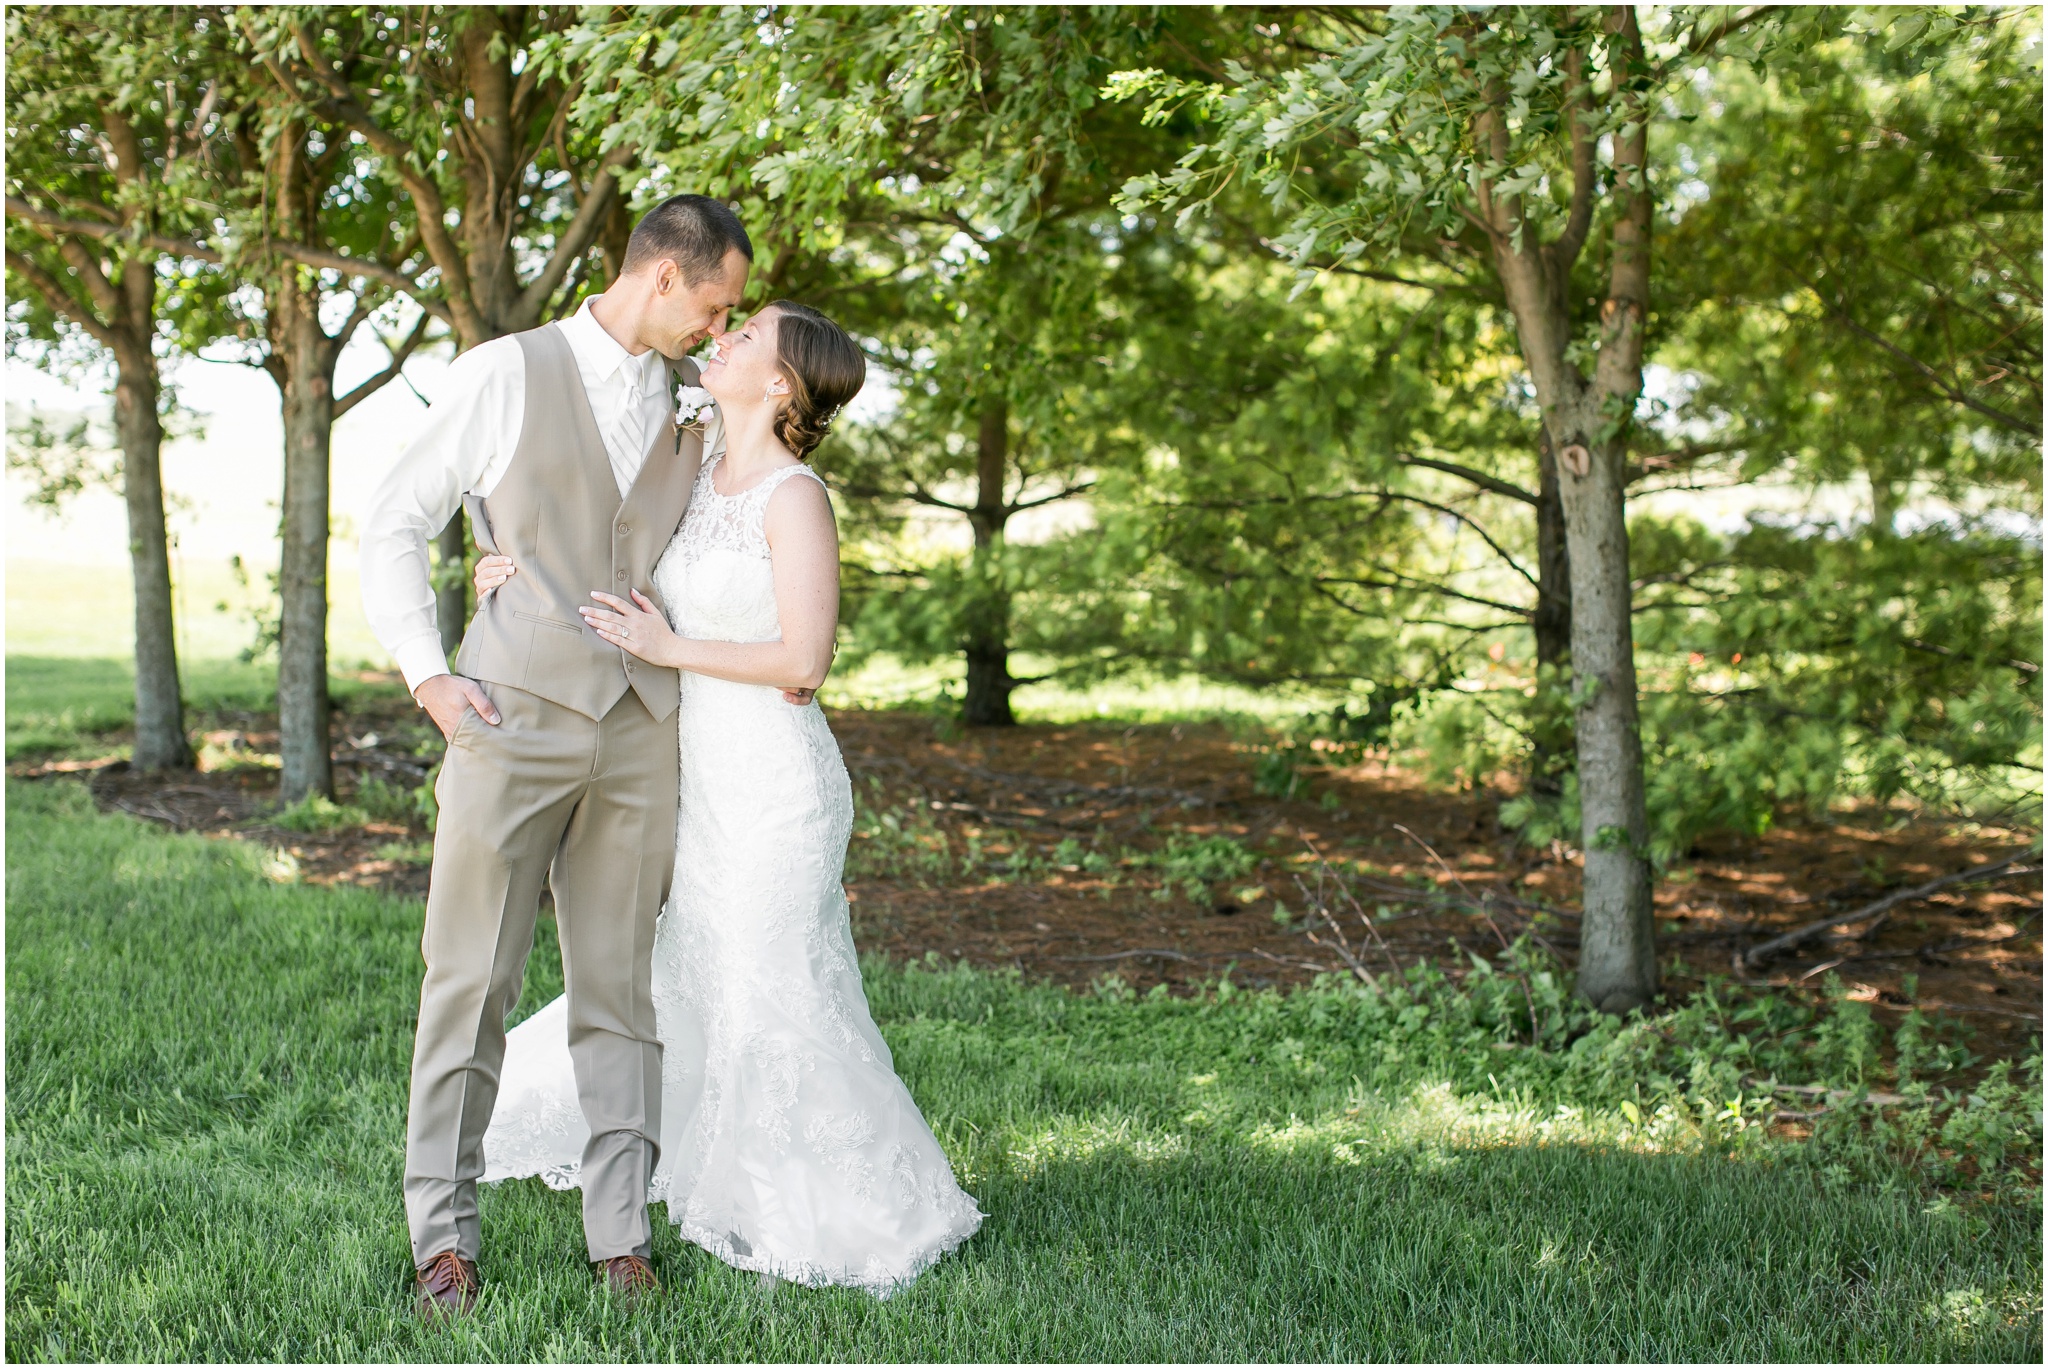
(693, 405)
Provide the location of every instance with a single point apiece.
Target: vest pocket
(558, 625)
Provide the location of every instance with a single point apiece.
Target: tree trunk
(1588, 419)
(1550, 755)
(1617, 937)
(1618, 931)
(451, 582)
(303, 715)
(160, 742)
(987, 617)
(1884, 506)
(1553, 620)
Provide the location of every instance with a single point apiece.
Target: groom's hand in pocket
(446, 697)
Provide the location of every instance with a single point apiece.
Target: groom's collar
(603, 353)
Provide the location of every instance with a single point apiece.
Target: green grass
(88, 610)
(206, 1087)
(72, 705)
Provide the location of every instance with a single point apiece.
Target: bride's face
(744, 368)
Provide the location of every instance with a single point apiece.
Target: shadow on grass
(206, 1091)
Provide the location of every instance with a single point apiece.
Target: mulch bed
(1453, 881)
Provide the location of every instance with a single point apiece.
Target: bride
(788, 1145)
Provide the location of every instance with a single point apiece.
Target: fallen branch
(1137, 955)
(1499, 936)
(1745, 960)
(1285, 962)
(1831, 1097)
(1320, 905)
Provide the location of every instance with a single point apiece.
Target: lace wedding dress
(788, 1144)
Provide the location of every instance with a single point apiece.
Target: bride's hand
(492, 572)
(639, 627)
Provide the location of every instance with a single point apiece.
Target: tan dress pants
(593, 805)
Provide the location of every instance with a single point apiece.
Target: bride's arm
(803, 546)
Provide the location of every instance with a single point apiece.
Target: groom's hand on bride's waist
(447, 697)
(799, 697)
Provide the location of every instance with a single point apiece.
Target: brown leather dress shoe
(629, 1276)
(448, 1286)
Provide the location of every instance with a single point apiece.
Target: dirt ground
(1452, 882)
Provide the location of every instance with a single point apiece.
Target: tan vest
(556, 512)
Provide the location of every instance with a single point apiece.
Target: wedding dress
(788, 1144)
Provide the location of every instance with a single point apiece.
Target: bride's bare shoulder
(798, 504)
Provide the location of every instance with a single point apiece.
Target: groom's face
(684, 315)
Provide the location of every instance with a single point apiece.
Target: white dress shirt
(465, 445)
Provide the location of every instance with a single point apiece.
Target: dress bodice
(716, 576)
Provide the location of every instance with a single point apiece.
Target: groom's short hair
(693, 231)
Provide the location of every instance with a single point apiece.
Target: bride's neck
(750, 441)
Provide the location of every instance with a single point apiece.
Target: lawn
(206, 1083)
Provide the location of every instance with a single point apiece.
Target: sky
(224, 485)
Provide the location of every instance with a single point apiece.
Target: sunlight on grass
(88, 611)
(1075, 1139)
(881, 680)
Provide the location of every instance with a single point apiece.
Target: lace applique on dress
(731, 522)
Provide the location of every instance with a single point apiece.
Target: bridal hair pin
(693, 406)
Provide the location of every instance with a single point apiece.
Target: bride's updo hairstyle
(824, 368)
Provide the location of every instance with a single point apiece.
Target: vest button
(623, 529)
(620, 577)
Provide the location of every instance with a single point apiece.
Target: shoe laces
(447, 1270)
(630, 1273)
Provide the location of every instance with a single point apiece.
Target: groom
(561, 754)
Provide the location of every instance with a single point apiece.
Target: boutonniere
(693, 406)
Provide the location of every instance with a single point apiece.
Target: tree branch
(59, 299)
(1484, 536)
(1932, 376)
(1704, 42)
(431, 212)
(1684, 456)
(1492, 484)
(1573, 238)
(578, 235)
(1892, 900)
(917, 495)
(56, 223)
(367, 270)
(1402, 582)
(104, 296)
(384, 377)
(1067, 493)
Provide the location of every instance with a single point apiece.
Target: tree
(1856, 265)
(941, 178)
(518, 212)
(1529, 127)
(1009, 370)
(1854, 300)
(103, 127)
(301, 186)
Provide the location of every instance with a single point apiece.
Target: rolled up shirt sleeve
(464, 445)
